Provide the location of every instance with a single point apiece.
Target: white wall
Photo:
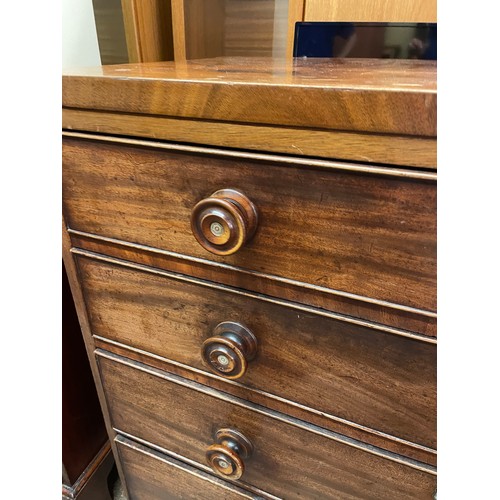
(79, 37)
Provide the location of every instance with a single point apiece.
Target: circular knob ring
(224, 357)
(227, 455)
(228, 352)
(224, 222)
(211, 211)
(225, 462)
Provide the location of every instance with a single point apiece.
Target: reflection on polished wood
(321, 327)
(322, 356)
(371, 148)
(383, 317)
(379, 96)
(150, 474)
(291, 459)
(373, 236)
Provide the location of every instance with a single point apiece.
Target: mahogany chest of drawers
(253, 249)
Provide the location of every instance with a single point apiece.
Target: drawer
(288, 458)
(379, 380)
(372, 236)
(154, 476)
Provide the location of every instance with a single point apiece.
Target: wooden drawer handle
(226, 456)
(229, 350)
(224, 222)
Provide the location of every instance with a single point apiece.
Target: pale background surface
(79, 37)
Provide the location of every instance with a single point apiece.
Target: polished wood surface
(377, 96)
(380, 315)
(379, 76)
(347, 429)
(366, 148)
(290, 459)
(151, 474)
(303, 364)
(318, 163)
(378, 380)
(371, 236)
(423, 11)
(264, 398)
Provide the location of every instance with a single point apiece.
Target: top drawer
(369, 235)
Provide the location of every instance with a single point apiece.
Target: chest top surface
(395, 97)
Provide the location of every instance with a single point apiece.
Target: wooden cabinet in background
(396, 11)
(180, 30)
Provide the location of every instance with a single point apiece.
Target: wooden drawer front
(291, 459)
(373, 378)
(369, 235)
(154, 476)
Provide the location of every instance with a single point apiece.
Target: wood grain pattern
(367, 235)
(378, 380)
(288, 461)
(336, 406)
(76, 290)
(380, 315)
(423, 11)
(367, 148)
(305, 162)
(378, 96)
(148, 30)
(153, 476)
(248, 293)
(362, 434)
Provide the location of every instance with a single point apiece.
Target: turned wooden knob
(224, 222)
(229, 350)
(227, 455)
